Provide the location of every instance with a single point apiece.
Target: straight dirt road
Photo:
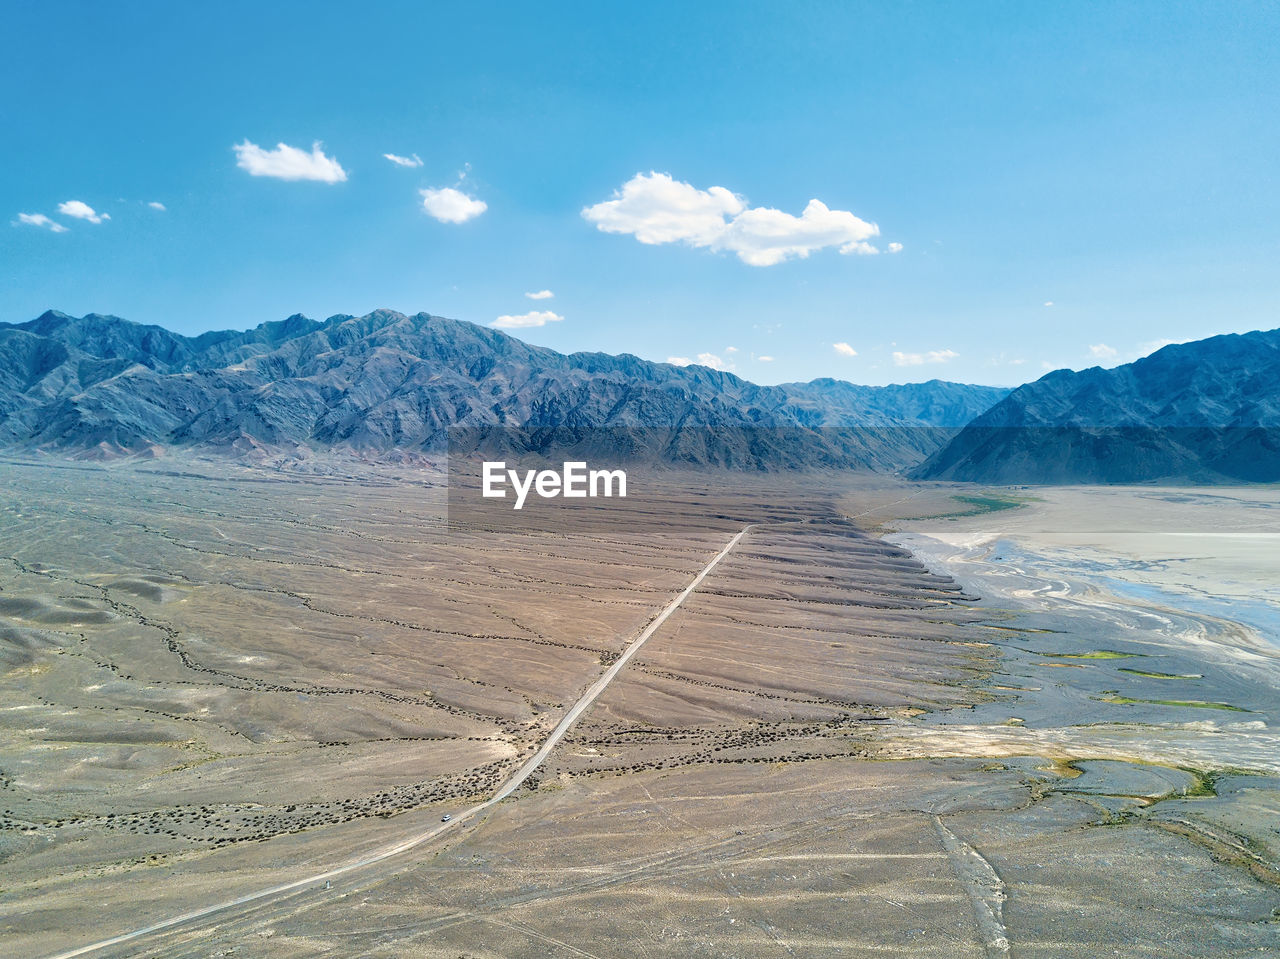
(511, 785)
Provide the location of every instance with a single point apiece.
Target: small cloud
(1150, 346)
(1048, 302)
(703, 359)
(526, 320)
(765, 359)
(919, 359)
(39, 219)
(82, 211)
(713, 361)
(409, 161)
(157, 205)
(655, 208)
(540, 295)
(895, 247)
(1003, 359)
(452, 206)
(1100, 351)
(844, 349)
(731, 349)
(289, 163)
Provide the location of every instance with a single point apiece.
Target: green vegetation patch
(1092, 654)
(1192, 703)
(990, 503)
(978, 504)
(1150, 674)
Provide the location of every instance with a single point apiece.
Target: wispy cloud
(655, 208)
(540, 295)
(410, 161)
(526, 321)
(895, 247)
(1150, 346)
(157, 205)
(1100, 351)
(289, 163)
(919, 359)
(40, 220)
(844, 349)
(451, 206)
(1003, 359)
(82, 211)
(703, 359)
(765, 359)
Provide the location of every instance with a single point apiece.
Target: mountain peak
(46, 322)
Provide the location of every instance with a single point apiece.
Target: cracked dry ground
(217, 680)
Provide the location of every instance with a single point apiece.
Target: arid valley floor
(888, 722)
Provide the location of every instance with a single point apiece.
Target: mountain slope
(1208, 410)
(388, 382)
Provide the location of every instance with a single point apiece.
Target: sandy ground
(220, 679)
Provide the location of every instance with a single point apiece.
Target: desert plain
(893, 719)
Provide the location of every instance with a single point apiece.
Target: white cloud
(39, 219)
(658, 209)
(713, 361)
(1100, 351)
(919, 359)
(157, 205)
(731, 349)
(1150, 346)
(82, 211)
(655, 208)
(289, 163)
(409, 161)
(895, 247)
(765, 359)
(526, 320)
(763, 237)
(844, 349)
(1048, 302)
(703, 359)
(540, 295)
(451, 206)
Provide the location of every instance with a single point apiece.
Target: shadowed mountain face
(1203, 411)
(388, 383)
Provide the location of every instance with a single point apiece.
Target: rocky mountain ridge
(1206, 411)
(387, 383)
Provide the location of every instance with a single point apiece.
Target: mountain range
(391, 385)
(387, 383)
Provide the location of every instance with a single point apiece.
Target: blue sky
(651, 166)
